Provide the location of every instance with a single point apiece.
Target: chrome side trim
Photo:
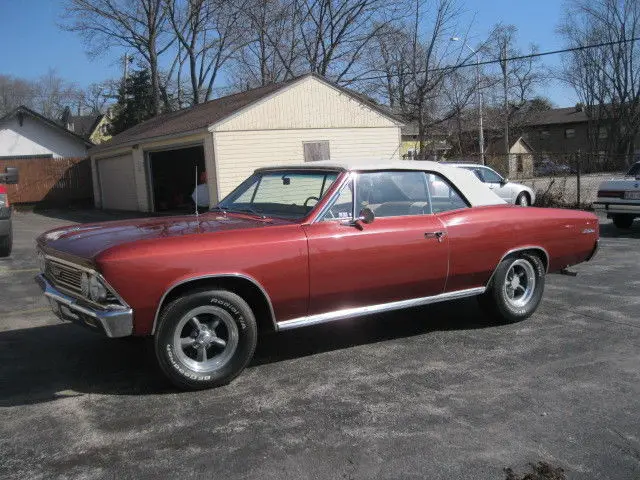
(203, 277)
(371, 309)
(521, 249)
(114, 323)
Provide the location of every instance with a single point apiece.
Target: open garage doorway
(173, 178)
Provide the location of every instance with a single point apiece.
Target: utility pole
(126, 69)
(505, 70)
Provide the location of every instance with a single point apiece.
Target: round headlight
(84, 285)
(97, 292)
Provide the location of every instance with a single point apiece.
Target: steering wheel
(310, 198)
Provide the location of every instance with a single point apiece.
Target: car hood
(88, 240)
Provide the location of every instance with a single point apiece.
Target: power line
(498, 60)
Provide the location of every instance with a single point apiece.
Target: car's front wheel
(205, 339)
(623, 221)
(6, 244)
(516, 288)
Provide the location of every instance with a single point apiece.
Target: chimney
(579, 107)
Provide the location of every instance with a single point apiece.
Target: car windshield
(635, 170)
(290, 194)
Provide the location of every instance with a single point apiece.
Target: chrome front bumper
(113, 323)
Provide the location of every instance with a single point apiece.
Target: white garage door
(117, 183)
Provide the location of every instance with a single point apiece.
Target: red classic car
(301, 245)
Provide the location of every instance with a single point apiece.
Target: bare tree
(53, 94)
(15, 92)
(209, 33)
(418, 63)
(138, 24)
(606, 79)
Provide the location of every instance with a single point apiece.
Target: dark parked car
(548, 167)
(6, 230)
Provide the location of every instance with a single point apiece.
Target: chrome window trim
(332, 200)
(380, 308)
(124, 305)
(213, 276)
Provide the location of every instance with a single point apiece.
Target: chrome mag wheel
(206, 338)
(520, 283)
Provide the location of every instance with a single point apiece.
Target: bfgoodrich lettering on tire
(205, 339)
(516, 288)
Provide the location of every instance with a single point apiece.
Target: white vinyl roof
(476, 192)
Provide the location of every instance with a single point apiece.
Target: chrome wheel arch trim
(380, 308)
(521, 249)
(210, 277)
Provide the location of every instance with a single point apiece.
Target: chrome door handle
(438, 235)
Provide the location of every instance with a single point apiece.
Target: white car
(510, 192)
(619, 198)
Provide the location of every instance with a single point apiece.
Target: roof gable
(22, 110)
(205, 115)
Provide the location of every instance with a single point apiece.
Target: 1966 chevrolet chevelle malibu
(302, 245)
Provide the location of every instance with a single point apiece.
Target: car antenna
(196, 195)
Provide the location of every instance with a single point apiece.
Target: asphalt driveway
(428, 393)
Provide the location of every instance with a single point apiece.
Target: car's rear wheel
(205, 339)
(623, 221)
(6, 244)
(516, 288)
(523, 200)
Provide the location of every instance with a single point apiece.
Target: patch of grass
(539, 471)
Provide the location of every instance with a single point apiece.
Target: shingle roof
(558, 116)
(209, 113)
(84, 125)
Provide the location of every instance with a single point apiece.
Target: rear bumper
(615, 208)
(112, 323)
(5, 226)
(593, 253)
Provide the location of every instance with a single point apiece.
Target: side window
(478, 173)
(443, 196)
(342, 209)
(490, 176)
(393, 193)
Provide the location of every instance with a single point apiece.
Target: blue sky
(34, 42)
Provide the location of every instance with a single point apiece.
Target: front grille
(65, 276)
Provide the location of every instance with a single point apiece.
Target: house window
(519, 163)
(544, 134)
(316, 151)
(569, 133)
(602, 132)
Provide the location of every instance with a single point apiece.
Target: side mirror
(366, 216)
(10, 176)
(504, 181)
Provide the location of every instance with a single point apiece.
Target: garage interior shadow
(44, 364)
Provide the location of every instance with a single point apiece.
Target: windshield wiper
(251, 210)
(220, 209)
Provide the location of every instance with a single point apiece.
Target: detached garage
(156, 165)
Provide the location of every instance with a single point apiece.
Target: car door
(401, 255)
(495, 182)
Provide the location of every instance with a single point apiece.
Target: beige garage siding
(238, 154)
(117, 183)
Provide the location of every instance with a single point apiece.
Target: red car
(303, 245)
(6, 228)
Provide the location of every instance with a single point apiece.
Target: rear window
(635, 170)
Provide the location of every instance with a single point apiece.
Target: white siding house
(25, 133)
(304, 119)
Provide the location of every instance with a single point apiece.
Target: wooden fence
(50, 181)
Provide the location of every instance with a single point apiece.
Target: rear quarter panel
(480, 237)
(275, 257)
